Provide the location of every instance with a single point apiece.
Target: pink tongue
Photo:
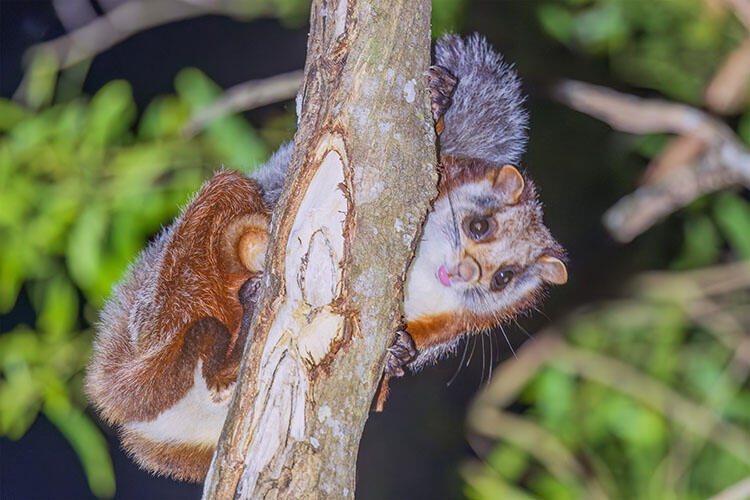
(443, 276)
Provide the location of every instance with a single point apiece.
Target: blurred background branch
(246, 96)
(709, 156)
(660, 373)
(101, 33)
(123, 20)
(738, 491)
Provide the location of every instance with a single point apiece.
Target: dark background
(411, 450)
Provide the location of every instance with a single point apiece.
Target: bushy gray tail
(487, 119)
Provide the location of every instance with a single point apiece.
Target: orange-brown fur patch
(195, 312)
(183, 462)
(457, 171)
(436, 329)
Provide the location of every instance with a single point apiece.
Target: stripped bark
(361, 179)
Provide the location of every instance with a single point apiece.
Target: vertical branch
(359, 186)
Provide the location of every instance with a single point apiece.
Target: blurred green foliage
(85, 183)
(673, 46)
(640, 401)
(447, 16)
(648, 396)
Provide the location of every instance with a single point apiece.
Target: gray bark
(361, 180)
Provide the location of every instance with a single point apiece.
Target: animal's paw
(401, 353)
(222, 394)
(442, 85)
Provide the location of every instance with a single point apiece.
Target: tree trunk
(360, 183)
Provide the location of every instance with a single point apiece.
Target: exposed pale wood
(361, 179)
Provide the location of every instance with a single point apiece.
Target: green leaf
(111, 114)
(554, 393)
(485, 484)
(508, 460)
(602, 26)
(557, 21)
(42, 76)
(86, 439)
(550, 487)
(163, 117)
(10, 114)
(634, 423)
(701, 246)
(20, 394)
(56, 209)
(71, 123)
(59, 311)
(236, 142)
(733, 217)
(85, 246)
(13, 269)
(32, 133)
(21, 345)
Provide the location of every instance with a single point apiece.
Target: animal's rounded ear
(510, 182)
(243, 243)
(552, 270)
(252, 248)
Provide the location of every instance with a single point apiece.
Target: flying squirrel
(171, 336)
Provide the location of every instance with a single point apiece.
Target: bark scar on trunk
(315, 256)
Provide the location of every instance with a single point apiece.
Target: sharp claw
(442, 86)
(397, 351)
(406, 340)
(402, 352)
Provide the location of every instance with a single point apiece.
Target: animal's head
(485, 251)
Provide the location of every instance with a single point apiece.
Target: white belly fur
(195, 419)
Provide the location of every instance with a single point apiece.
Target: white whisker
(460, 363)
(523, 329)
(508, 341)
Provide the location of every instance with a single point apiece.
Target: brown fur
(182, 462)
(184, 307)
(437, 329)
(428, 331)
(457, 171)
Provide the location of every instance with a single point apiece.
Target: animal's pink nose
(468, 270)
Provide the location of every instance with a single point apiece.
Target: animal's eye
(501, 279)
(478, 227)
